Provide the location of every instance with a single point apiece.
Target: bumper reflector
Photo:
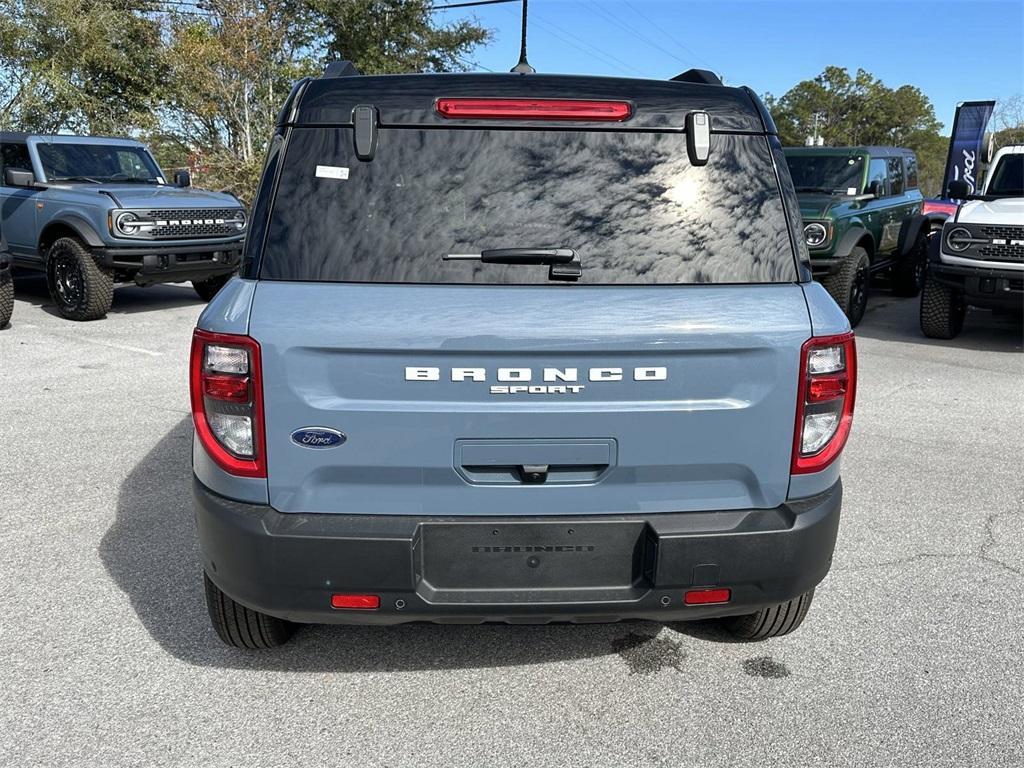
(355, 602)
(707, 596)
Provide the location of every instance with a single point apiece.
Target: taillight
(534, 109)
(824, 409)
(227, 401)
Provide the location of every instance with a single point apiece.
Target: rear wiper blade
(564, 263)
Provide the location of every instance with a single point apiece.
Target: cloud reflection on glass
(630, 204)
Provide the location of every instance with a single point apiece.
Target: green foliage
(394, 36)
(201, 81)
(81, 65)
(859, 109)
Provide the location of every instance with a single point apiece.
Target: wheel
(849, 286)
(774, 621)
(81, 288)
(208, 288)
(942, 310)
(242, 627)
(908, 277)
(6, 297)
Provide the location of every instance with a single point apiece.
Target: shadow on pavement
(151, 553)
(128, 299)
(891, 318)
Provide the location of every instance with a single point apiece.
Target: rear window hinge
(364, 118)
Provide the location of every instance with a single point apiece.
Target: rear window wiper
(564, 263)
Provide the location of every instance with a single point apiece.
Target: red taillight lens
(707, 596)
(825, 399)
(534, 109)
(225, 381)
(355, 602)
(230, 388)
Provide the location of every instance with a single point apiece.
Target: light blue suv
(519, 348)
(92, 212)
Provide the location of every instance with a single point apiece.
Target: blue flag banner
(965, 144)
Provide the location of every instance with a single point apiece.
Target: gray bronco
(93, 212)
(519, 348)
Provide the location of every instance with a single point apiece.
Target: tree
(201, 79)
(80, 65)
(1008, 121)
(233, 62)
(859, 109)
(394, 36)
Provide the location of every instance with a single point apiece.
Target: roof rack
(705, 76)
(340, 69)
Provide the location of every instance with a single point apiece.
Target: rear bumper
(526, 569)
(167, 263)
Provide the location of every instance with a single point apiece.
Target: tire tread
(773, 621)
(6, 297)
(242, 627)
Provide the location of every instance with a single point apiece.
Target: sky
(953, 50)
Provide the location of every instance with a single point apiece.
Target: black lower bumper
(521, 569)
(170, 263)
(982, 287)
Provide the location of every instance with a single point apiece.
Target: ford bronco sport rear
(519, 348)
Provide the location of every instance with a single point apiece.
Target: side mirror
(182, 179)
(958, 190)
(18, 177)
(875, 188)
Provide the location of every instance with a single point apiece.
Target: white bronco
(979, 259)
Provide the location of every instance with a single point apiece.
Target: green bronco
(862, 214)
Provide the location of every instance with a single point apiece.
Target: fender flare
(912, 227)
(849, 241)
(81, 227)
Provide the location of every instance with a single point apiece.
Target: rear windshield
(629, 204)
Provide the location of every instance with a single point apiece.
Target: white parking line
(114, 345)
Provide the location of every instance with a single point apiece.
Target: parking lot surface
(912, 654)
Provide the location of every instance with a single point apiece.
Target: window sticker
(331, 172)
(851, 191)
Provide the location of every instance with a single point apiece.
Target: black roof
(409, 99)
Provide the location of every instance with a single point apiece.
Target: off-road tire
(774, 621)
(6, 297)
(850, 285)
(942, 310)
(242, 627)
(908, 276)
(207, 289)
(81, 288)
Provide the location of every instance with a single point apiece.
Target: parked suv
(92, 212)
(979, 260)
(862, 214)
(519, 348)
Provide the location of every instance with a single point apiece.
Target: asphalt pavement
(912, 654)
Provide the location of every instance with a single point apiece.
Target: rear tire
(942, 310)
(242, 627)
(6, 297)
(207, 289)
(908, 276)
(81, 288)
(849, 286)
(774, 621)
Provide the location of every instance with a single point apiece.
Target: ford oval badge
(318, 437)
